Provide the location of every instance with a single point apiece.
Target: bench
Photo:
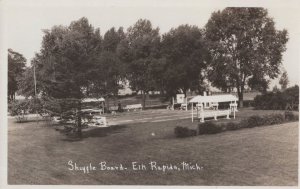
(214, 114)
(133, 107)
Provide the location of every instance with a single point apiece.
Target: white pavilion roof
(214, 98)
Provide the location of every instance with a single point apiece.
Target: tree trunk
(241, 96)
(79, 120)
(107, 103)
(184, 92)
(144, 99)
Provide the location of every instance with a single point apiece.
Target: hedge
(250, 122)
(286, 100)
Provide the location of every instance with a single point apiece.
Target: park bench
(214, 114)
(133, 107)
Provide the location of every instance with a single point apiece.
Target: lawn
(37, 154)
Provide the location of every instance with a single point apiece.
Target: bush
(254, 121)
(290, 116)
(274, 119)
(182, 132)
(286, 100)
(232, 126)
(209, 128)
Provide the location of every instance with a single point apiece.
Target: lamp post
(34, 79)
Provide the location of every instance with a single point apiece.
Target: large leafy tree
(111, 63)
(141, 50)
(67, 63)
(16, 67)
(112, 38)
(186, 54)
(244, 46)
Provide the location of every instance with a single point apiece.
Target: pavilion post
(234, 110)
(186, 102)
(172, 103)
(192, 112)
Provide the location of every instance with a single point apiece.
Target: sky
(24, 21)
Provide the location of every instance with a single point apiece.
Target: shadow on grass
(104, 131)
(96, 132)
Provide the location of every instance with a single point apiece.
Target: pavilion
(208, 106)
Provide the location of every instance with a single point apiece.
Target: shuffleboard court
(147, 116)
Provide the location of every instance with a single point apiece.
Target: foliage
(141, 52)
(232, 126)
(250, 122)
(245, 48)
(26, 84)
(182, 132)
(67, 64)
(284, 80)
(275, 119)
(285, 100)
(112, 66)
(16, 67)
(275, 89)
(26, 106)
(209, 128)
(185, 52)
(290, 116)
(253, 121)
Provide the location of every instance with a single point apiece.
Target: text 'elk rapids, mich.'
(134, 166)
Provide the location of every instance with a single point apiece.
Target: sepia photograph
(149, 93)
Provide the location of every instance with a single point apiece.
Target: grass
(37, 154)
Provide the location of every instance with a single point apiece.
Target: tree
(16, 67)
(26, 82)
(112, 64)
(141, 51)
(186, 54)
(67, 63)
(284, 80)
(275, 89)
(112, 38)
(244, 46)
(258, 83)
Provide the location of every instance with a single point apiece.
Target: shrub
(209, 128)
(290, 116)
(274, 119)
(254, 121)
(232, 126)
(288, 99)
(21, 118)
(182, 132)
(244, 123)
